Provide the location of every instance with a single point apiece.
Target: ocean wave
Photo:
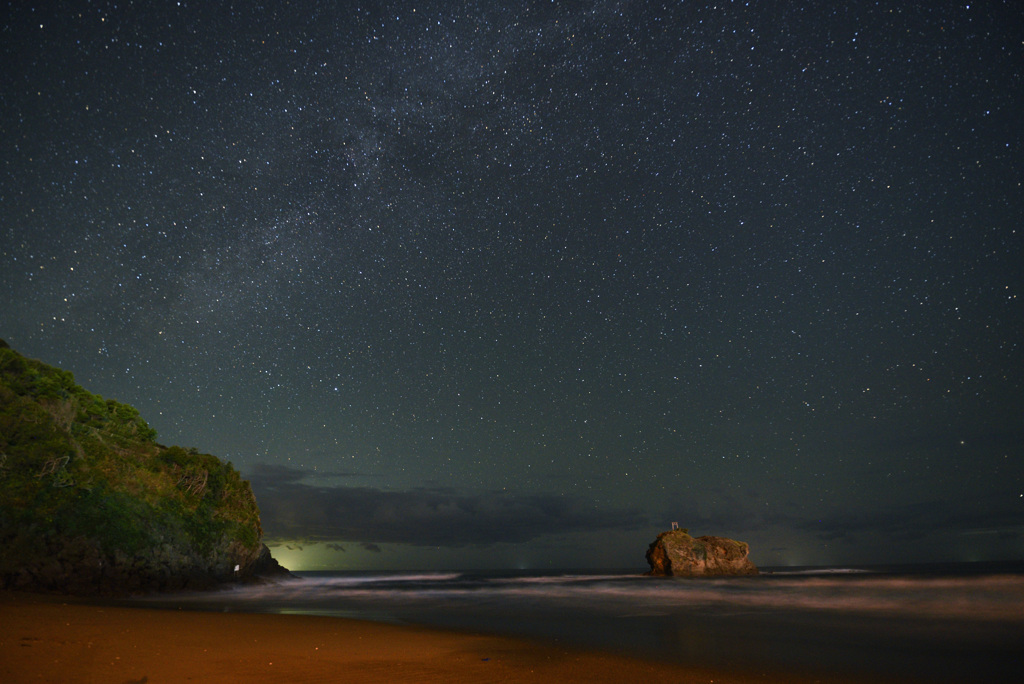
(964, 598)
(822, 571)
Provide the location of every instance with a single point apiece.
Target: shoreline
(46, 638)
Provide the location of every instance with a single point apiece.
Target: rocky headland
(678, 554)
(91, 504)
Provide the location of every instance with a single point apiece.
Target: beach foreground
(49, 639)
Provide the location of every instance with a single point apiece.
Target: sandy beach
(59, 639)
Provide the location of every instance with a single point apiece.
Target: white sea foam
(970, 598)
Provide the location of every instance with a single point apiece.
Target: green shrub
(80, 464)
(111, 517)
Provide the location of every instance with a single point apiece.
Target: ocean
(933, 623)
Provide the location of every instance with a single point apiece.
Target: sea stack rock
(678, 554)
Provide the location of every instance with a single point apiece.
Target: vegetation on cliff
(88, 497)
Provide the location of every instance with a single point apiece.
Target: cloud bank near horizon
(292, 508)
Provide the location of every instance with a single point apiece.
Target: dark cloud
(291, 508)
(272, 476)
(911, 522)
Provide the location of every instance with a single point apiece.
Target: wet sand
(53, 638)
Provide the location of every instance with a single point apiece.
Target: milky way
(568, 270)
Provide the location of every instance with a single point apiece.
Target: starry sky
(518, 284)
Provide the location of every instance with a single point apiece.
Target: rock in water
(90, 503)
(677, 553)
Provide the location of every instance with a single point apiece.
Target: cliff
(91, 504)
(677, 553)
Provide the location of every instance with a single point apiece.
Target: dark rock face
(678, 554)
(79, 565)
(91, 504)
(266, 568)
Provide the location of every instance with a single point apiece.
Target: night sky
(517, 285)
